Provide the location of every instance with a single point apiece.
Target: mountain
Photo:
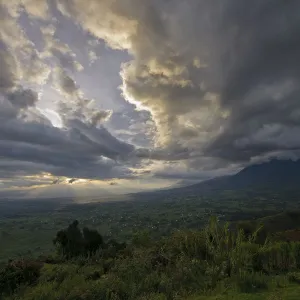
(275, 175)
(284, 172)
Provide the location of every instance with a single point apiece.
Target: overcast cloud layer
(145, 93)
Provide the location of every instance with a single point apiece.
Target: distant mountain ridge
(275, 174)
(275, 171)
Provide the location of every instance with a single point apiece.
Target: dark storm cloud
(163, 76)
(229, 68)
(23, 98)
(29, 148)
(29, 144)
(198, 176)
(261, 85)
(101, 140)
(219, 80)
(78, 150)
(16, 130)
(67, 84)
(11, 168)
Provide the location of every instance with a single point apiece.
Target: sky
(106, 97)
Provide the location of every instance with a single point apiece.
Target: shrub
(17, 273)
(249, 282)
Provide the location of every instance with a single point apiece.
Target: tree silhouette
(92, 239)
(71, 242)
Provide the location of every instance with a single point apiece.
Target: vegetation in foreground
(218, 262)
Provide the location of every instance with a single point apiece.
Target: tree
(71, 242)
(61, 242)
(93, 240)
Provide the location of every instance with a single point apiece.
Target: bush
(294, 277)
(18, 273)
(249, 282)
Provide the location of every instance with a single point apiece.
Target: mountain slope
(285, 172)
(275, 175)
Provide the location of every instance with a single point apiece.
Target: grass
(280, 287)
(290, 292)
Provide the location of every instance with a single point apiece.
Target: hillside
(278, 174)
(277, 223)
(283, 226)
(275, 175)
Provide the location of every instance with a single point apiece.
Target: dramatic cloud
(29, 144)
(209, 86)
(78, 152)
(213, 74)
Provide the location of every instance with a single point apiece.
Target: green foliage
(249, 282)
(141, 238)
(211, 261)
(18, 273)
